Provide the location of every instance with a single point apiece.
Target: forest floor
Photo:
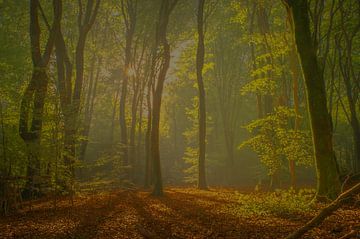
(181, 213)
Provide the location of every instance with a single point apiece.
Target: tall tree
(202, 107)
(33, 99)
(128, 9)
(70, 96)
(321, 126)
(161, 42)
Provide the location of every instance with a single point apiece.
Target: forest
(180, 119)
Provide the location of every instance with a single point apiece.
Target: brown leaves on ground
(182, 213)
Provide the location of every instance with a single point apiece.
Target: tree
(70, 96)
(202, 108)
(321, 126)
(33, 99)
(128, 9)
(161, 47)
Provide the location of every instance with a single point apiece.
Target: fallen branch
(326, 212)
(349, 235)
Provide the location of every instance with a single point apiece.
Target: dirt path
(182, 213)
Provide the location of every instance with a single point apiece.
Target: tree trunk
(33, 99)
(139, 148)
(132, 152)
(129, 13)
(321, 127)
(202, 108)
(161, 41)
(148, 167)
(89, 108)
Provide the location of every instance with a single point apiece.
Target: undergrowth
(277, 203)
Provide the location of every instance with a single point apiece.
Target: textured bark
(202, 107)
(321, 127)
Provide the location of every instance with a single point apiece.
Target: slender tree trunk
(155, 143)
(321, 127)
(161, 41)
(139, 148)
(202, 108)
(148, 160)
(132, 151)
(129, 13)
(89, 108)
(3, 141)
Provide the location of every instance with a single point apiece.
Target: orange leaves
(181, 213)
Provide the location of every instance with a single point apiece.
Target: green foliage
(278, 203)
(260, 86)
(190, 158)
(274, 141)
(191, 153)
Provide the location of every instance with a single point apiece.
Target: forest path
(182, 213)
